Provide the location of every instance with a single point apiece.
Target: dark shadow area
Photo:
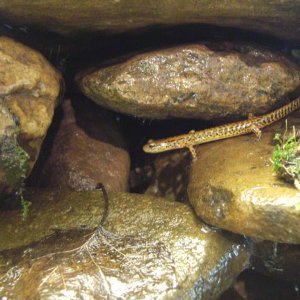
(251, 285)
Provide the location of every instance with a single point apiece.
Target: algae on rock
(14, 160)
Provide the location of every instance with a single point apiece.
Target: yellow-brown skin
(220, 132)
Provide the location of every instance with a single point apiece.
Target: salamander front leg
(251, 116)
(256, 131)
(193, 152)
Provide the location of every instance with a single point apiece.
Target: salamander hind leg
(193, 152)
(251, 116)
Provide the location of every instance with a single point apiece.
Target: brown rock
(233, 186)
(194, 81)
(150, 249)
(88, 148)
(29, 90)
(277, 17)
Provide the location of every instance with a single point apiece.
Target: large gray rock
(206, 81)
(151, 248)
(277, 17)
(29, 90)
(233, 186)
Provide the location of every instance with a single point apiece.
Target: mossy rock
(29, 91)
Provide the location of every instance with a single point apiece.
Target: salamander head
(156, 147)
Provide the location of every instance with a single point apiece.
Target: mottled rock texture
(150, 248)
(233, 186)
(280, 18)
(206, 81)
(29, 90)
(87, 148)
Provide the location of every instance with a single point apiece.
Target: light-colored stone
(233, 186)
(205, 81)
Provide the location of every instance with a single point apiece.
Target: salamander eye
(150, 141)
(151, 145)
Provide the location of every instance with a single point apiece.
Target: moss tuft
(25, 206)
(286, 156)
(14, 160)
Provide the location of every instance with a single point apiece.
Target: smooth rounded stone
(233, 186)
(88, 148)
(144, 251)
(29, 90)
(277, 260)
(277, 17)
(206, 81)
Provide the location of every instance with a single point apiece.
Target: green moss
(25, 206)
(286, 156)
(14, 162)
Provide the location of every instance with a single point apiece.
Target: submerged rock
(88, 148)
(194, 81)
(150, 248)
(251, 285)
(29, 90)
(277, 260)
(276, 17)
(233, 186)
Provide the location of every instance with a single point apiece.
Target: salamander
(253, 124)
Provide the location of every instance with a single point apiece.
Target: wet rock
(277, 260)
(277, 17)
(233, 186)
(29, 89)
(194, 81)
(144, 251)
(88, 148)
